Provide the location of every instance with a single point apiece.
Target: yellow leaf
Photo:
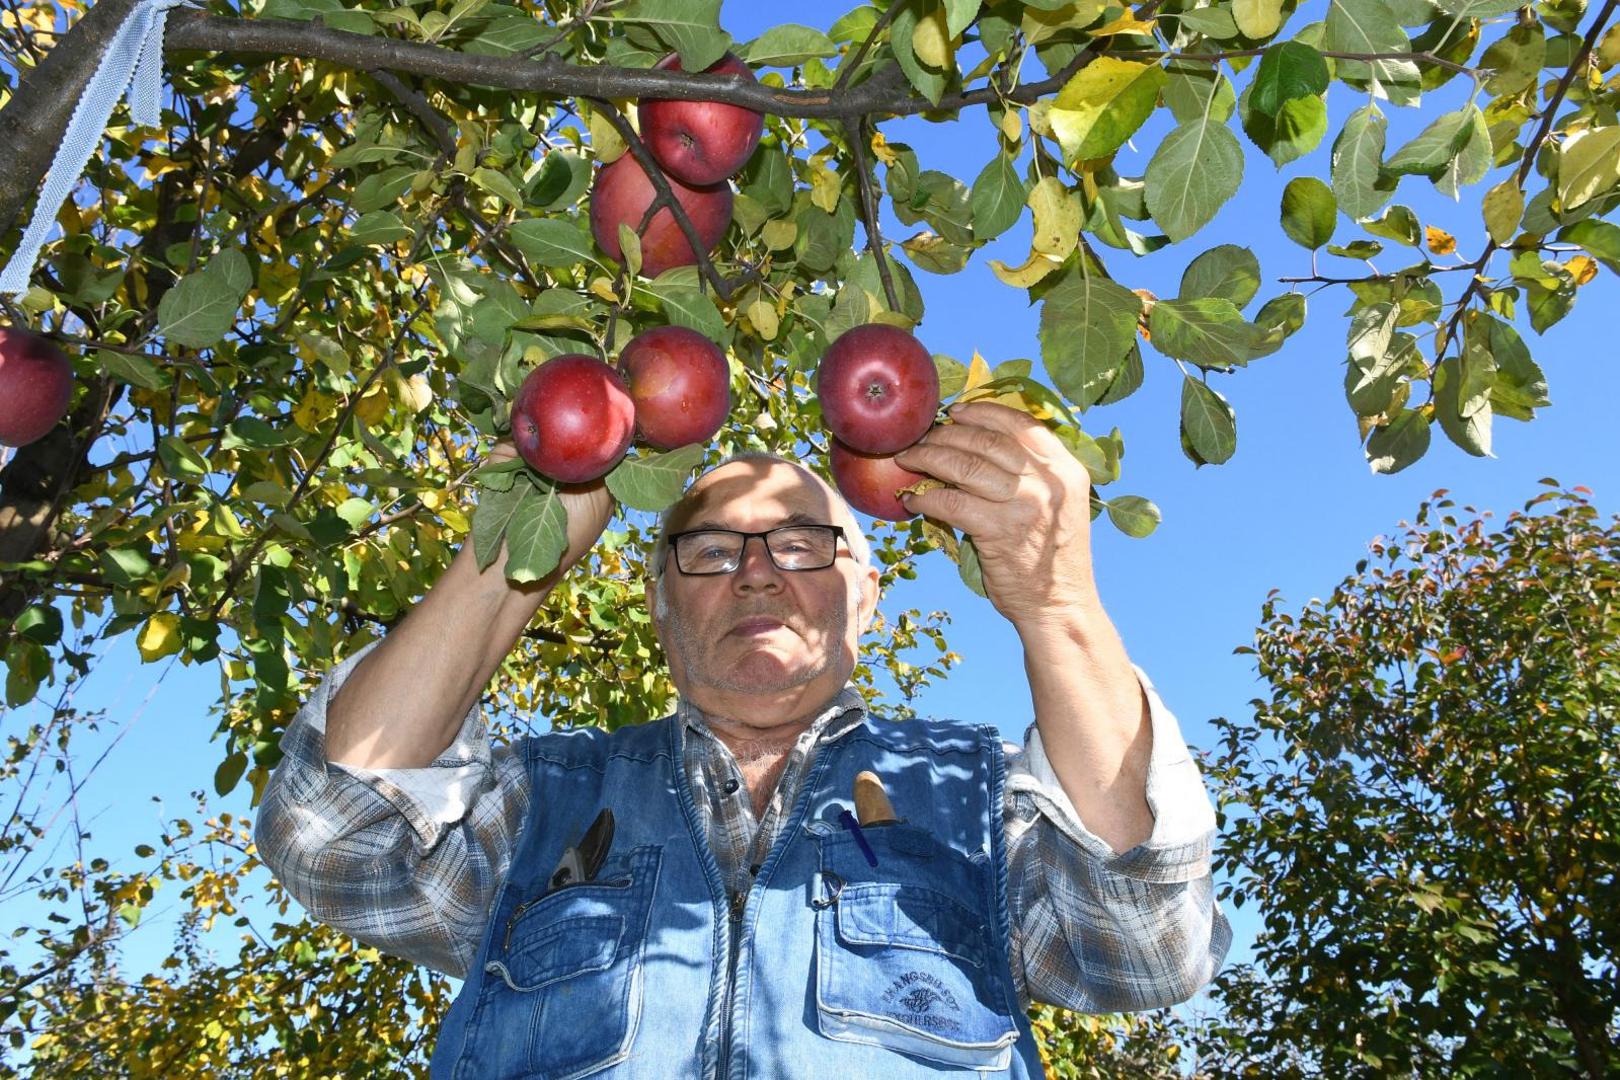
(454, 518)
(159, 636)
(315, 407)
(1440, 241)
(413, 394)
(1582, 268)
(931, 39)
(1038, 25)
(1036, 267)
(179, 576)
(1588, 165)
(1257, 18)
(157, 165)
(881, 151)
(1057, 218)
(373, 407)
(824, 185)
(1127, 23)
(603, 288)
(762, 314)
(605, 138)
(779, 233)
(1012, 125)
(978, 372)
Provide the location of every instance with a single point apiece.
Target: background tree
(1427, 809)
(307, 297)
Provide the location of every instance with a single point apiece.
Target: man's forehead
(780, 489)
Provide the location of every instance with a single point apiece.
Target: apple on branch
(36, 386)
(680, 383)
(878, 388)
(572, 418)
(621, 195)
(700, 142)
(872, 482)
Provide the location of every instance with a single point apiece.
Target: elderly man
(734, 912)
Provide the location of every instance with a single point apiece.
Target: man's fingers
(956, 508)
(971, 472)
(1005, 451)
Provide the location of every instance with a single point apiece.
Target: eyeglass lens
(802, 547)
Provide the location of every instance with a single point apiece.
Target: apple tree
(1427, 808)
(299, 307)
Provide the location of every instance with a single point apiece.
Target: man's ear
(867, 606)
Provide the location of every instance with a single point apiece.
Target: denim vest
(827, 966)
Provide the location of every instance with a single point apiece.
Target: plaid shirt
(410, 860)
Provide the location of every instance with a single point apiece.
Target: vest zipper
(739, 900)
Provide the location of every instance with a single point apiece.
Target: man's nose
(755, 570)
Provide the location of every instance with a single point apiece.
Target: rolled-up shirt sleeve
(1097, 930)
(407, 860)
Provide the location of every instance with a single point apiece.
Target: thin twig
(869, 207)
(860, 54)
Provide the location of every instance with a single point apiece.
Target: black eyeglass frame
(838, 536)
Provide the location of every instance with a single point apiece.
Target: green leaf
(499, 185)
(1588, 165)
(229, 773)
(1087, 324)
(135, 369)
(1211, 332)
(685, 306)
(1479, 9)
(653, 482)
(1370, 27)
(1287, 71)
(997, 198)
(1399, 223)
(927, 81)
(1473, 158)
(1297, 129)
(1103, 105)
(952, 376)
(1212, 22)
(181, 461)
(1399, 443)
(1195, 170)
(378, 227)
(1308, 212)
(967, 565)
(200, 310)
(959, 15)
(1195, 90)
(690, 27)
(1502, 208)
(1207, 421)
(1276, 321)
(1515, 60)
(495, 512)
(1471, 431)
(537, 536)
(1434, 146)
(788, 45)
(1520, 387)
(553, 242)
(1600, 239)
(1228, 272)
(1133, 515)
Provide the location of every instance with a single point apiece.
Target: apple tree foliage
(1427, 809)
(297, 311)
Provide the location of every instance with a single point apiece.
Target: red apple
(878, 389)
(701, 142)
(870, 481)
(572, 418)
(36, 385)
(621, 195)
(680, 383)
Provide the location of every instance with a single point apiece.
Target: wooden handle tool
(872, 806)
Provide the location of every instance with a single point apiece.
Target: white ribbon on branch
(133, 63)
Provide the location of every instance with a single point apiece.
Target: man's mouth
(756, 624)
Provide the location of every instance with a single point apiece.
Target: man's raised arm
(405, 702)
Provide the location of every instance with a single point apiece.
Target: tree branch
(1443, 341)
(869, 207)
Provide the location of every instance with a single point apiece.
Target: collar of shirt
(844, 713)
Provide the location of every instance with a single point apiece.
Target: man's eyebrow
(798, 517)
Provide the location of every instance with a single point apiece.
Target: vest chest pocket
(561, 994)
(905, 966)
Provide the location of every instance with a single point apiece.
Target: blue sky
(1293, 510)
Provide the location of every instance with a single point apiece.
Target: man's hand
(589, 508)
(1024, 499)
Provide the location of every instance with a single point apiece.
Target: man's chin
(766, 670)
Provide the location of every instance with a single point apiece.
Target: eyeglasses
(790, 547)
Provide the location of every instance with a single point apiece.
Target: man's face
(763, 646)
